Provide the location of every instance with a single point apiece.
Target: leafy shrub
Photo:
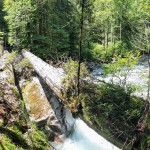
(121, 66)
(10, 58)
(24, 63)
(112, 107)
(105, 54)
(120, 48)
(97, 51)
(86, 54)
(70, 82)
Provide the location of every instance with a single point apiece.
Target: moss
(10, 75)
(1, 93)
(15, 91)
(38, 103)
(11, 81)
(10, 58)
(24, 63)
(7, 144)
(16, 130)
(38, 139)
(17, 138)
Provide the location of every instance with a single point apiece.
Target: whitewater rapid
(84, 138)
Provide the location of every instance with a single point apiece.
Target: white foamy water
(138, 77)
(84, 138)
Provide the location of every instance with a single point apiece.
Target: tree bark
(80, 46)
(148, 92)
(120, 31)
(52, 76)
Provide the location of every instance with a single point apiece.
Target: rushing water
(138, 77)
(84, 138)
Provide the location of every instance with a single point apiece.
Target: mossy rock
(35, 100)
(16, 131)
(14, 138)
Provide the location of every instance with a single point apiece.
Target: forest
(103, 47)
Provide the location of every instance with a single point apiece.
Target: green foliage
(3, 24)
(24, 63)
(52, 27)
(97, 51)
(70, 83)
(121, 66)
(16, 137)
(122, 63)
(120, 48)
(112, 107)
(7, 144)
(39, 139)
(1, 36)
(37, 25)
(19, 16)
(106, 54)
(86, 54)
(11, 57)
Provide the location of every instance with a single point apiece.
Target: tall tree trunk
(148, 92)
(80, 45)
(120, 31)
(107, 38)
(104, 38)
(111, 33)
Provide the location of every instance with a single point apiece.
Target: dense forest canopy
(52, 27)
(110, 33)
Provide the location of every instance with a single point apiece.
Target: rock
(56, 128)
(35, 100)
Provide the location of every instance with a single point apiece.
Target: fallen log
(52, 77)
